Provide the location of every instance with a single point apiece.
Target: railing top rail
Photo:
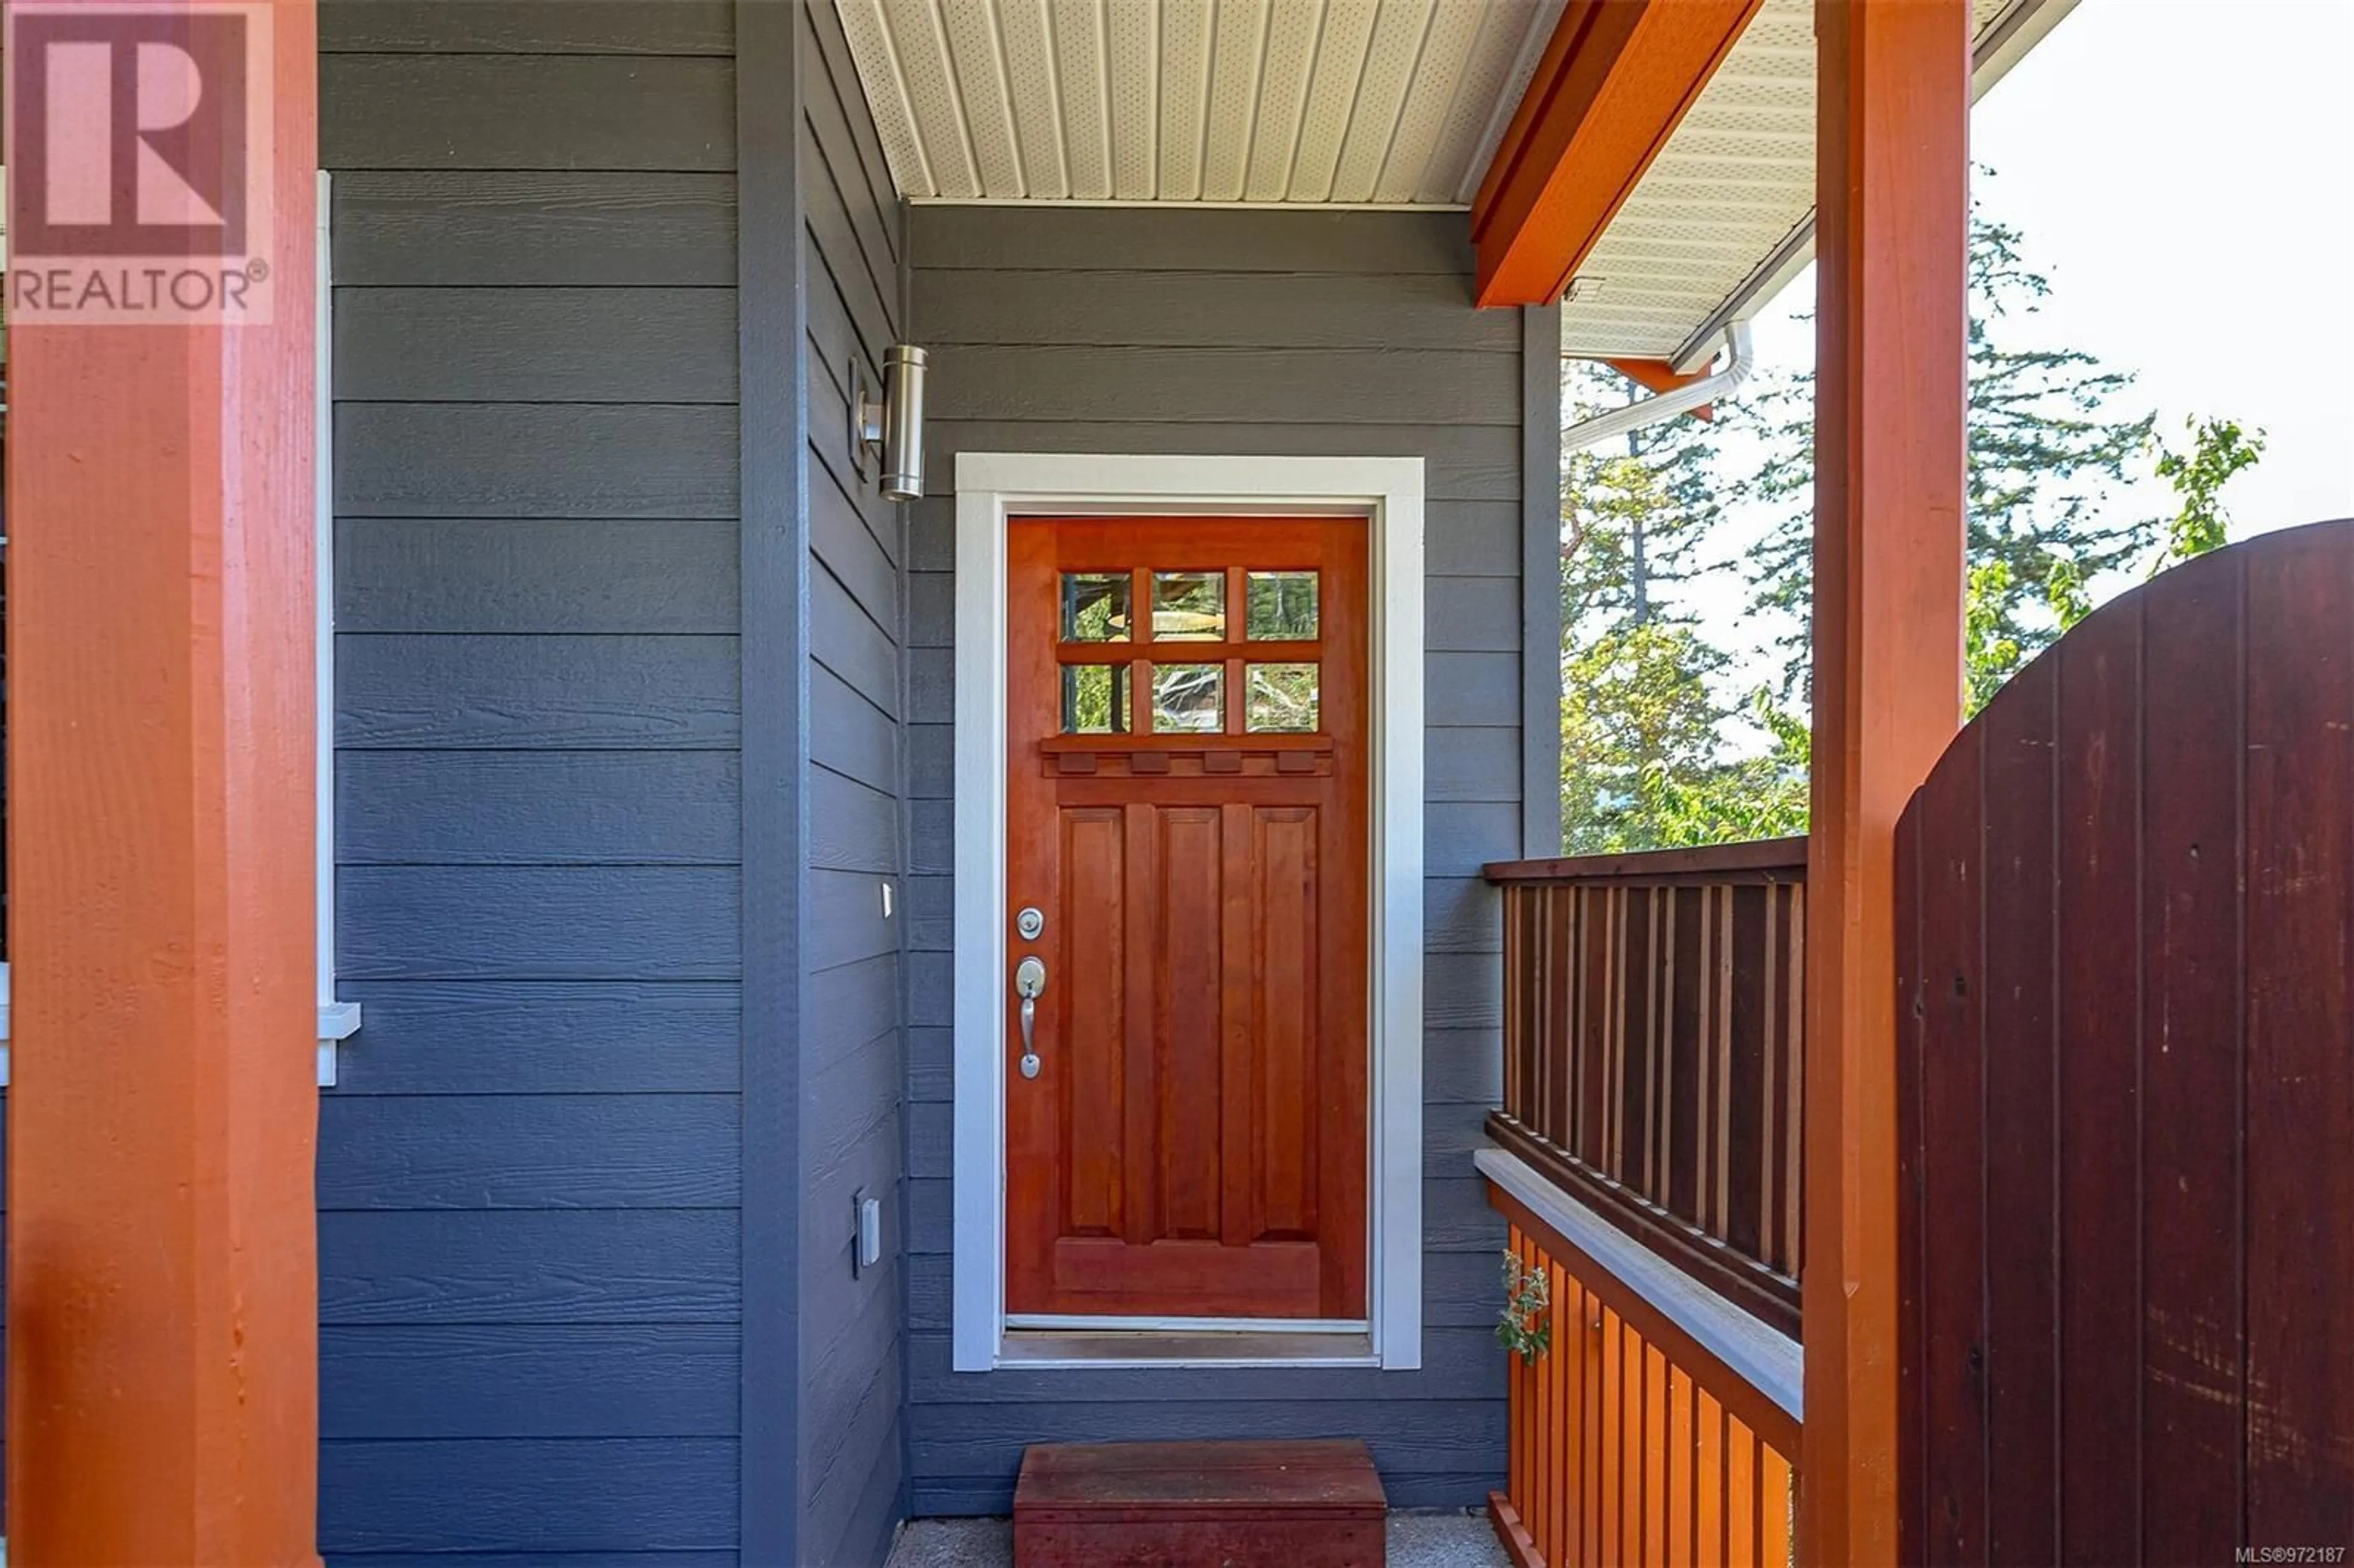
(1777, 860)
(1754, 1370)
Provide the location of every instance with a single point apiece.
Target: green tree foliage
(1652, 754)
(1989, 655)
(2218, 449)
(1636, 513)
(2048, 450)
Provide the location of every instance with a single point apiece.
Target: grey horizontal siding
(461, 1495)
(526, 1266)
(491, 808)
(1055, 384)
(596, 1380)
(527, 27)
(543, 1381)
(506, 694)
(543, 228)
(537, 345)
(543, 1037)
(1115, 309)
(497, 574)
(1233, 332)
(851, 1486)
(530, 1171)
(850, 734)
(531, 1151)
(533, 460)
(473, 922)
(526, 111)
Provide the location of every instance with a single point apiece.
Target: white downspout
(1707, 389)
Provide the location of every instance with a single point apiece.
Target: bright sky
(2183, 174)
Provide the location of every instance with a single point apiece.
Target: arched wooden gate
(2126, 1085)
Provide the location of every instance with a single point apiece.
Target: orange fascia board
(1616, 79)
(1658, 376)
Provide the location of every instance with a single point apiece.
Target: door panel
(1188, 810)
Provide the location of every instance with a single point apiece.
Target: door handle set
(1029, 981)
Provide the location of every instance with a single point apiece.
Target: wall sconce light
(890, 431)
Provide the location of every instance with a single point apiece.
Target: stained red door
(1188, 820)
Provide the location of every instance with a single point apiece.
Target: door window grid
(1266, 682)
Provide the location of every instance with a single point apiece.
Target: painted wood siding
(529, 1176)
(1133, 331)
(853, 1063)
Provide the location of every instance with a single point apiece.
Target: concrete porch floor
(1416, 1539)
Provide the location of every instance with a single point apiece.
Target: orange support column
(1893, 210)
(161, 1272)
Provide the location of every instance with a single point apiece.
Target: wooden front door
(1189, 821)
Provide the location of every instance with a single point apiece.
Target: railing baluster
(1771, 1243)
(1515, 963)
(1740, 1499)
(1561, 957)
(1722, 1056)
(1793, 1120)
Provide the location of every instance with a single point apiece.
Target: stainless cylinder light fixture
(891, 431)
(902, 421)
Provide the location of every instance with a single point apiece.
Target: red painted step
(1199, 1505)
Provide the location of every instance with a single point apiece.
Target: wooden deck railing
(1648, 1162)
(1654, 1052)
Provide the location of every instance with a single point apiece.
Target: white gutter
(1707, 389)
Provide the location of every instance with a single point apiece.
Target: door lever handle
(1029, 980)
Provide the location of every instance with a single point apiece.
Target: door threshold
(1042, 1348)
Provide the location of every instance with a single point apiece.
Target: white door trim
(1387, 493)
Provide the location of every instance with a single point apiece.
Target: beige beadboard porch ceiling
(1346, 103)
(1388, 104)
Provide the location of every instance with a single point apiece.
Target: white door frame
(1386, 491)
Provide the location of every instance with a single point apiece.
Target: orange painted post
(162, 1291)
(1892, 202)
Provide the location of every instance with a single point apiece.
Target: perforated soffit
(1242, 102)
(1728, 209)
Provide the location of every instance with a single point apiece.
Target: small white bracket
(338, 1021)
(868, 1244)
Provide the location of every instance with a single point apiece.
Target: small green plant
(2219, 449)
(1523, 1326)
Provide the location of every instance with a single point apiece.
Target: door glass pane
(1094, 607)
(1282, 698)
(1189, 699)
(1189, 606)
(1282, 606)
(1094, 699)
